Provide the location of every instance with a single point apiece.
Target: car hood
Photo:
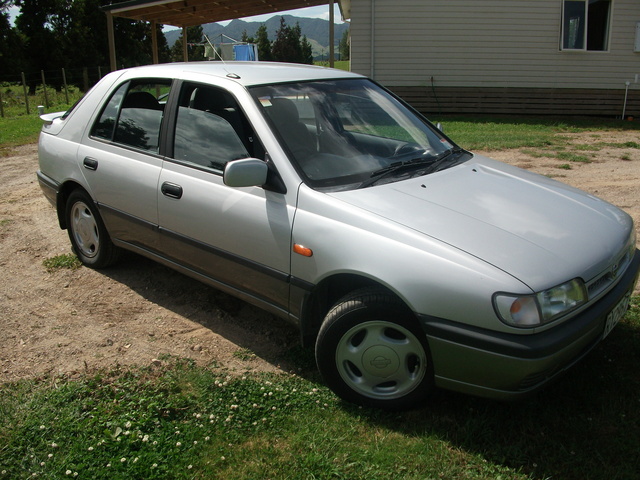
(539, 230)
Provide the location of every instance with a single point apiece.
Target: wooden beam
(112, 42)
(185, 50)
(154, 42)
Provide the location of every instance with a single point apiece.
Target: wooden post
(331, 34)
(112, 42)
(85, 78)
(154, 42)
(185, 50)
(64, 84)
(44, 87)
(26, 94)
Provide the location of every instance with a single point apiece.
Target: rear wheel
(88, 235)
(370, 352)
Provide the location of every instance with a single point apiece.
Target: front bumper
(508, 366)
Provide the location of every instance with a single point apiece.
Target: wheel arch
(326, 294)
(63, 195)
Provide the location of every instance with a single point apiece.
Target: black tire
(371, 352)
(89, 237)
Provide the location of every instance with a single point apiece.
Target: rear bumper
(49, 187)
(507, 366)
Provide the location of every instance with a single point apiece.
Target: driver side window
(210, 129)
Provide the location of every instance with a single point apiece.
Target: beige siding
(493, 43)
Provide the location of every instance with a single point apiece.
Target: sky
(309, 12)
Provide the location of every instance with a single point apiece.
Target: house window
(585, 25)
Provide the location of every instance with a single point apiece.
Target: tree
(288, 45)
(307, 51)
(34, 23)
(263, 43)
(11, 44)
(194, 52)
(344, 47)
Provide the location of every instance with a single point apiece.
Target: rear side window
(133, 115)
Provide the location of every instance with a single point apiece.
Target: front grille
(609, 278)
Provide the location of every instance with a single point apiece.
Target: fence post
(26, 96)
(85, 77)
(44, 86)
(64, 82)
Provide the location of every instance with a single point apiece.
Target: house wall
(493, 53)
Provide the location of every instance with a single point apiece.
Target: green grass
(498, 133)
(180, 421)
(66, 261)
(19, 128)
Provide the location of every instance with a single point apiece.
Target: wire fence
(20, 94)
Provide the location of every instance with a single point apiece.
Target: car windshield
(342, 134)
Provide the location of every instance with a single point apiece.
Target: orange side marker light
(302, 250)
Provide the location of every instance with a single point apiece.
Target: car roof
(245, 73)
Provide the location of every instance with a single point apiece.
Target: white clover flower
(189, 467)
(50, 455)
(178, 444)
(123, 460)
(155, 442)
(42, 427)
(90, 449)
(68, 472)
(127, 425)
(145, 438)
(54, 445)
(108, 465)
(207, 438)
(42, 464)
(75, 474)
(222, 458)
(198, 415)
(195, 442)
(154, 465)
(211, 417)
(135, 460)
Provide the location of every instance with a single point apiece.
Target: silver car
(317, 195)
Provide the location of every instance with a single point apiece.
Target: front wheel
(88, 235)
(370, 352)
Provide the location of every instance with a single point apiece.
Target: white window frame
(586, 33)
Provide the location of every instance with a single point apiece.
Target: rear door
(121, 163)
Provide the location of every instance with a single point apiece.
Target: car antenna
(235, 76)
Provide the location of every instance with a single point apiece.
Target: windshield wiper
(443, 158)
(394, 167)
(434, 164)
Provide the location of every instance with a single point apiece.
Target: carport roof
(187, 13)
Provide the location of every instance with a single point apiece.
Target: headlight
(540, 308)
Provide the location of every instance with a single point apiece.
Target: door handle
(171, 190)
(90, 163)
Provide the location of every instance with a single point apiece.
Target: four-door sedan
(317, 195)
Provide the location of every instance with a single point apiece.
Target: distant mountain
(316, 30)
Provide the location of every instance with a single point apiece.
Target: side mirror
(247, 172)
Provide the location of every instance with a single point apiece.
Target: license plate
(616, 314)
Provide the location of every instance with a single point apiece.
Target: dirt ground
(70, 321)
